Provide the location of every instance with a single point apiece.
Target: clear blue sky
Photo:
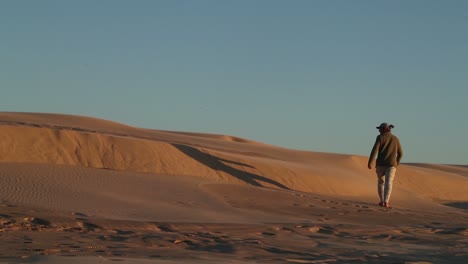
(310, 75)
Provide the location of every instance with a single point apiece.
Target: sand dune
(145, 193)
(92, 143)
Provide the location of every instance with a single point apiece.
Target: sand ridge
(122, 147)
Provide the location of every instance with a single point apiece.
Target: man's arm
(399, 152)
(375, 148)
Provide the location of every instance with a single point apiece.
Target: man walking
(389, 153)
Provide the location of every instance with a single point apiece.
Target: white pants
(385, 177)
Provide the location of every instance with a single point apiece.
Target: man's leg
(380, 171)
(389, 176)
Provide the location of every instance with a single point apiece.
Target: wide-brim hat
(383, 125)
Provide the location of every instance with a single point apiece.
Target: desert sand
(77, 189)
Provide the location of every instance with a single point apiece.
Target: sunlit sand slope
(95, 143)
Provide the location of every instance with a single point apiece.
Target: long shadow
(459, 205)
(216, 163)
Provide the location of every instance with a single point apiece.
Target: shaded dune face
(100, 144)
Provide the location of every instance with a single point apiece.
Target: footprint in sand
(344, 213)
(367, 210)
(87, 226)
(267, 234)
(27, 240)
(6, 220)
(123, 232)
(282, 228)
(322, 230)
(361, 206)
(163, 228)
(36, 221)
(451, 231)
(79, 215)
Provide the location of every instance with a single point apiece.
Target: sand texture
(77, 189)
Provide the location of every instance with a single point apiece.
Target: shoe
(387, 205)
(381, 204)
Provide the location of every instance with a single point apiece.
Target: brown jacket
(388, 150)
